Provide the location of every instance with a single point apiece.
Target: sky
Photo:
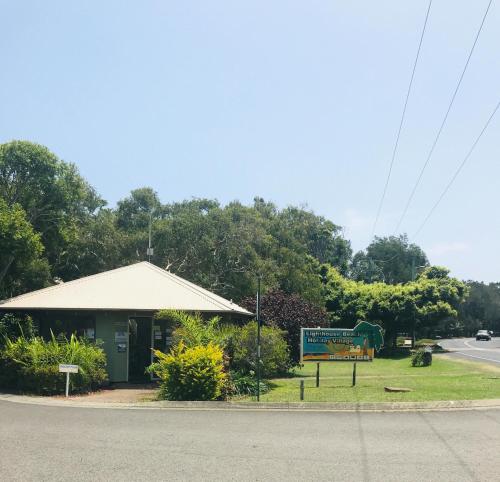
(297, 102)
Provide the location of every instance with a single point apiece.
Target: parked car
(483, 335)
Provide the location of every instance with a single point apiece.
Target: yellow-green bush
(195, 373)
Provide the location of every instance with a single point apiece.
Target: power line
(457, 172)
(444, 120)
(384, 192)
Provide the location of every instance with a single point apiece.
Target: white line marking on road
(466, 343)
(480, 357)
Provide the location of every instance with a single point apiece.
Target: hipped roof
(138, 287)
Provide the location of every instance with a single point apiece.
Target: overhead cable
(457, 172)
(394, 151)
(438, 135)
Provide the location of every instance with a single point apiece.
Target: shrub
(194, 373)
(290, 313)
(421, 358)
(33, 365)
(275, 358)
(193, 330)
(242, 385)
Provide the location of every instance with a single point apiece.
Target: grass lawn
(445, 379)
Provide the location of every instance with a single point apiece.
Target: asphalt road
(470, 349)
(59, 443)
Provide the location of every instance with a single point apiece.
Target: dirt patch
(119, 393)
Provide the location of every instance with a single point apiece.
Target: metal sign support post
(317, 375)
(67, 384)
(65, 368)
(354, 375)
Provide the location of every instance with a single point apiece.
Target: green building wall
(110, 327)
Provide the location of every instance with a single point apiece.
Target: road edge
(442, 405)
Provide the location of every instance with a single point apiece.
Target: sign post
(258, 339)
(64, 368)
(340, 344)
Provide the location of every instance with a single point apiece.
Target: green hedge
(32, 365)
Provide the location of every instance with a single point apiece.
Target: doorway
(139, 355)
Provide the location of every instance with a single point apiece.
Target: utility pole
(413, 276)
(258, 338)
(150, 250)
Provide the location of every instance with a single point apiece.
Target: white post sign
(63, 368)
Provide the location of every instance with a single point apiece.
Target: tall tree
(304, 231)
(481, 310)
(391, 259)
(420, 306)
(225, 248)
(21, 251)
(55, 198)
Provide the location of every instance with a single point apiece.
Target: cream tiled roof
(140, 286)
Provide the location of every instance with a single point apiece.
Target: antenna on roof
(150, 250)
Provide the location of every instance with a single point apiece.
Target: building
(117, 307)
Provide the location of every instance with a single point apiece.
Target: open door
(139, 355)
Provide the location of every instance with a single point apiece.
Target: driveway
(468, 348)
(69, 443)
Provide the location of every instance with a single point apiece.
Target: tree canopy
(481, 310)
(392, 260)
(420, 305)
(54, 225)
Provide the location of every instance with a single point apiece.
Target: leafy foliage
(275, 357)
(288, 313)
(221, 248)
(21, 250)
(193, 330)
(195, 373)
(391, 260)
(246, 384)
(15, 326)
(54, 225)
(421, 358)
(480, 310)
(50, 202)
(32, 365)
(238, 343)
(420, 305)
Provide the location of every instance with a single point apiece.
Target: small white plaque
(68, 368)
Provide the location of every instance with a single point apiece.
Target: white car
(483, 335)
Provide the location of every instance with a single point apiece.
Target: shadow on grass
(394, 353)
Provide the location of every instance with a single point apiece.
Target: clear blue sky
(297, 102)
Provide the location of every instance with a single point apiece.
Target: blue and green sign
(341, 344)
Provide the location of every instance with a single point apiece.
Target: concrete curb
(263, 406)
